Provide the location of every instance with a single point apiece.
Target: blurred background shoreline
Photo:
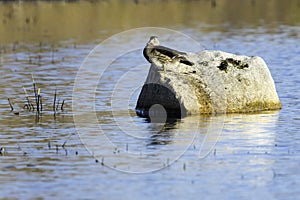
(86, 21)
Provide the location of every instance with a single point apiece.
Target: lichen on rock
(228, 62)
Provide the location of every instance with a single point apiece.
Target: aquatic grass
(56, 148)
(35, 102)
(10, 104)
(54, 100)
(49, 144)
(62, 105)
(29, 105)
(38, 100)
(34, 90)
(57, 105)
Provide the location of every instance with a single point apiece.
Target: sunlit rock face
(218, 82)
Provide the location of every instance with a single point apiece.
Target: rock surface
(218, 82)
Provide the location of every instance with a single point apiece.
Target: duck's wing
(168, 52)
(172, 53)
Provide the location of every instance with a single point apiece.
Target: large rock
(218, 82)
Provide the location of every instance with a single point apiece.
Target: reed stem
(29, 104)
(54, 101)
(38, 101)
(35, 92)
(10, 104)
(62, 105)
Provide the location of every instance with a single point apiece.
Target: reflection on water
(256, 155)
(87, 20)
(255, 129)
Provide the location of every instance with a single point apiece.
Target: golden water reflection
(83, 21)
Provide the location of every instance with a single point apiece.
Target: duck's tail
(183, 60)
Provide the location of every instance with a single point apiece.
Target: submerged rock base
(218, 82)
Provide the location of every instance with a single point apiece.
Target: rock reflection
(165, 135)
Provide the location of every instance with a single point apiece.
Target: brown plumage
(160, 55)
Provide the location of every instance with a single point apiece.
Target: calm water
(257, 155)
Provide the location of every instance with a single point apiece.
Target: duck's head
(153, 41)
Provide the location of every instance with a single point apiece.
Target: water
(257, 155)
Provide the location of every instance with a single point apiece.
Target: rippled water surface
(257, 155)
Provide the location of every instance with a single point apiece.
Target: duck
(162, 56)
